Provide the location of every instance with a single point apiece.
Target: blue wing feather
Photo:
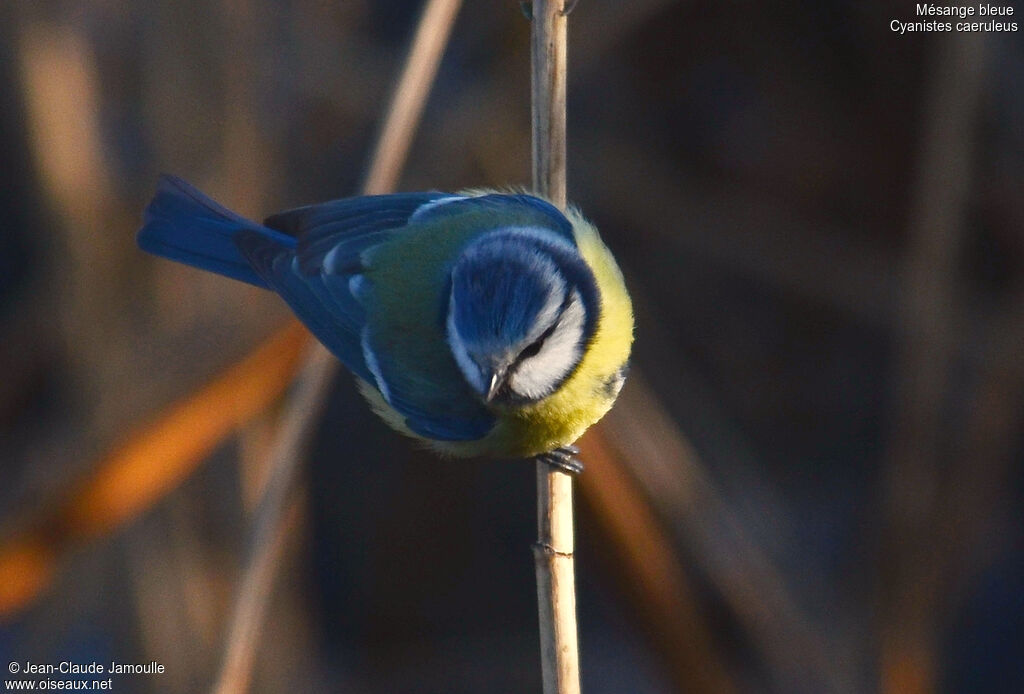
(334, 323)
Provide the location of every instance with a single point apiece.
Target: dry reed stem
(410, 96)
(549, 68)
(277, 508)
(910, 642)
(556, 589)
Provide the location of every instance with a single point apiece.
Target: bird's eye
(534, 347)
(532, 350)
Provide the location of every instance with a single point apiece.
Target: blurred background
(813, 482)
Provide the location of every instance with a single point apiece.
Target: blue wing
(319, 296)
(349, 225)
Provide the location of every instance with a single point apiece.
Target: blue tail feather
(183, 224)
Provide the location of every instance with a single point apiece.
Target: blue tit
(480, 322)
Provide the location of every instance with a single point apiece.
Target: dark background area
(821, 224)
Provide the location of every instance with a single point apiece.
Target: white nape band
(427, 206)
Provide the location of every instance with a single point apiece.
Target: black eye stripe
(547, 333)
(534, 347)
(531, 351)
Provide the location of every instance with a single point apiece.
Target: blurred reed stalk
(278, 508)
(918, 558)
(556, 589)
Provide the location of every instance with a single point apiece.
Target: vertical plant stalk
(276, 513)
(410, 95)
(548, 79)
(918, 558)
(556, 581)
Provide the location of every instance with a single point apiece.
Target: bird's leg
(563, 458)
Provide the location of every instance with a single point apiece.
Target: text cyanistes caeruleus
(482, 323)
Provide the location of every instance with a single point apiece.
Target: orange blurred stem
(147, 464)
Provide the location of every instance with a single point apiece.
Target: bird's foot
(564, 458)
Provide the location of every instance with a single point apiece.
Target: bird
(483, 323)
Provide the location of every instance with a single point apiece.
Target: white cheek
(538, 376)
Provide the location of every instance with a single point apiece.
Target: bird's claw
(564, 458)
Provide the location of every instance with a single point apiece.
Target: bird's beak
(496, 382)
